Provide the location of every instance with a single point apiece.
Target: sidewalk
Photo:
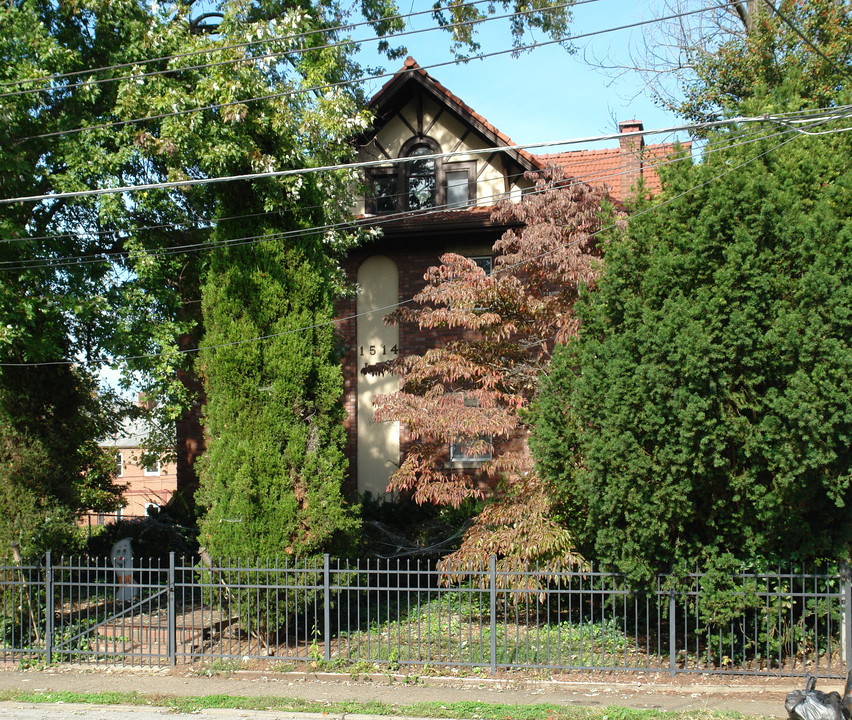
(751, 696)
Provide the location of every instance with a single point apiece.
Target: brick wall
(413, 254)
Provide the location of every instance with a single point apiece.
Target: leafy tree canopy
(795, 54)
(705, 409)
(189, 94)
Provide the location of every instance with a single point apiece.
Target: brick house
(148, 484)
(425, 209)
(433, 206)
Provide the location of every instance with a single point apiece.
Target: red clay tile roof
(597, 167)
(604, 167)
(472, 217)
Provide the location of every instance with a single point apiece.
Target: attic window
(460, 182)
(385, 187)
(423, 182)
(421, 178)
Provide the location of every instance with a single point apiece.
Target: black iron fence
(409, 615)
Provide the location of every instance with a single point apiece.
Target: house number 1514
(374, 350)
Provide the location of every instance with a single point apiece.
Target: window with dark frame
(460, 184)
(421, 183)
(471, 451)
(477, 449)
(384, 187)
(483, 261)
(421, 178)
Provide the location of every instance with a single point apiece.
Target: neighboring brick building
(148, 485)
(432, 207)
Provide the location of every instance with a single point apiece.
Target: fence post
(170, 611)
(493, 611)
(672, 631)
(48, 612)
(326, 620)
(846, 628)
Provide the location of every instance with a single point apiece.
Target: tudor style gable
(437, 169)
(440, 155)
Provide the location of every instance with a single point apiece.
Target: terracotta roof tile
(597, 167)
(477, 215)
(604, 167)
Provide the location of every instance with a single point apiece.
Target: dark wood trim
(406, 123)
(470, 167)
(407, 84)
(461, 140)
(381, 149)
(490, 160)
(405, 150)
(434, 120)
(419, 140)
(374, 174)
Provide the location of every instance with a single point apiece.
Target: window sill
(465, 464)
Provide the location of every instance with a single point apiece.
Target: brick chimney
(630, 156)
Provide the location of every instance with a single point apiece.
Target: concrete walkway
(751, 696)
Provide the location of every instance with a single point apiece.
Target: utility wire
(377, 163)
(800, 115)
(387, 308)
(291, 51)
(350, 226)
(235, 46)
(364, 223)
(343, 83)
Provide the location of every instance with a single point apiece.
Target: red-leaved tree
(472, 392)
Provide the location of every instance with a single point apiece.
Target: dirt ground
(759, 697)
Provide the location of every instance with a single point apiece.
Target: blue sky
(546, 94)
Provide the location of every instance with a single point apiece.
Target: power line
(803, 116)
(351, 225)
(234, 46)
(139, 228)
(377, 163)
(653, 208)
(348, 226)
(292, 51)
(344, 83)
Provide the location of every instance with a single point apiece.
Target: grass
(450, 711)
(455, 628)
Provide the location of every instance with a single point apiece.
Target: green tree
(793, 54)
(706, 59)
(705, 409)
(50, 311)
(247, 87)
(273, 474)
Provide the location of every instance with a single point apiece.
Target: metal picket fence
(408, 615)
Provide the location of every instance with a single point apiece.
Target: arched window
(422, 180)
(421, 184)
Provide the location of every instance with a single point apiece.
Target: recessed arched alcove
(378, 443)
